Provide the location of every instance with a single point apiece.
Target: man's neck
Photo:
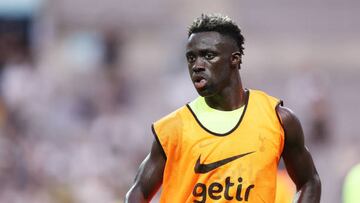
(231, 98)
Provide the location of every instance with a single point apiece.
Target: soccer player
(226, 144)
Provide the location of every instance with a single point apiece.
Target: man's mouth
(200, 82)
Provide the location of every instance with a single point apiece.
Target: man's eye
(190, 58)
(209, 56)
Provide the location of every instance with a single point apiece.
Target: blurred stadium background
(82, 81)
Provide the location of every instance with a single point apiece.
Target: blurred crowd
(64, 124)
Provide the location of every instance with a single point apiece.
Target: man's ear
(236, 59)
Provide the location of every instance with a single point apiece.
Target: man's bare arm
(298, 160)
(149, 177)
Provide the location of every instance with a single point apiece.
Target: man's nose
(199, 65)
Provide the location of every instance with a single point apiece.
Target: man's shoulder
(173, 117)
(259, 94)
(172, 123)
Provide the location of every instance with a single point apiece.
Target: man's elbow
(311, 191)
(135, 195)
(317, 183)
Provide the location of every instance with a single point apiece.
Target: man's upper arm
(149, 177)
(297, 158)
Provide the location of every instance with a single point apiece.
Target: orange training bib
(238, 166)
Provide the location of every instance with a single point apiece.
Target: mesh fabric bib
(236, 166)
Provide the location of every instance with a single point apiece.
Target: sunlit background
(82, 81)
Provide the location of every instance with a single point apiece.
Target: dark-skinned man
(226, 144)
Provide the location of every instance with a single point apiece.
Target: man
(225, 145)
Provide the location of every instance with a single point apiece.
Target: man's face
(209, 57)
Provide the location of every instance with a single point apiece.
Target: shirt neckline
(247, 96)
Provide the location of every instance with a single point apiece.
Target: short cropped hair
(218, 23)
